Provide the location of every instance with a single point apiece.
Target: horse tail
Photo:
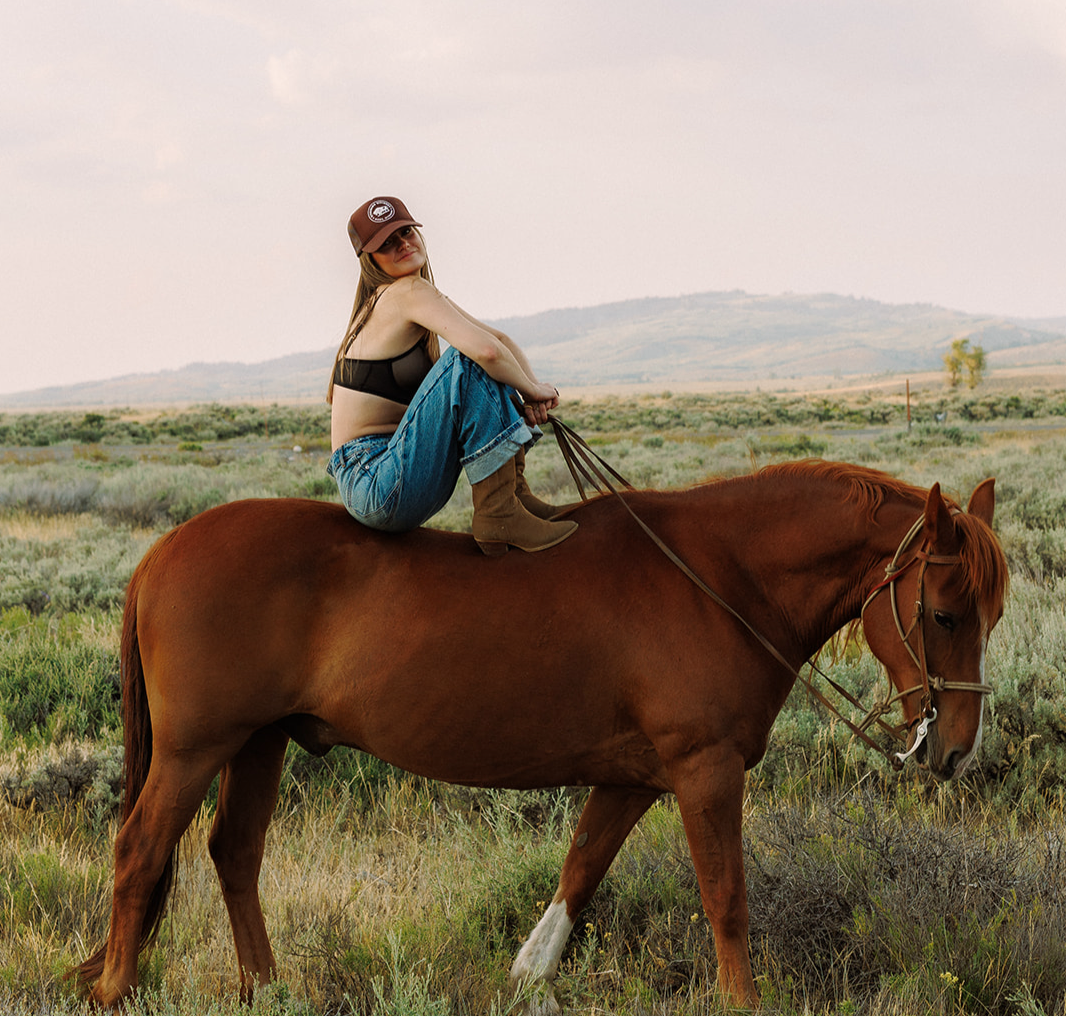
(137, 742)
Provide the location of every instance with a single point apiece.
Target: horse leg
(247, 794)
(710, 793)
(144, 847)
(609, 814)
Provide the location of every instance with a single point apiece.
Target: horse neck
(810, 550)
(857, 549)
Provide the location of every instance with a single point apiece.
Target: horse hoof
(541, 1000)
(550, 1008)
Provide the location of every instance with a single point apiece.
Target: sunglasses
(404, 233)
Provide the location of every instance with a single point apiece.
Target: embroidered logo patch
(381, 211)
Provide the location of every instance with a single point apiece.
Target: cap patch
(381, 211)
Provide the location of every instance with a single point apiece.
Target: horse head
(929, 620)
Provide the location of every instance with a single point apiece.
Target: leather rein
(587, 467)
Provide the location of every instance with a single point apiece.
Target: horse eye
(944, 620)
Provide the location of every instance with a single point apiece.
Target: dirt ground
(1048, 376)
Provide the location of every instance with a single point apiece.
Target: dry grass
(356, 890)
(23, 525)
(412, 898)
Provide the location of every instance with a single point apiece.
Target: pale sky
(177, 175)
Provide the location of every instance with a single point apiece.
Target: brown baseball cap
(373, 223)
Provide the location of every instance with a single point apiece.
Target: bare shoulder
(414, 287)
(420, 301)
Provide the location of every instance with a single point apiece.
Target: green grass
(870, 891)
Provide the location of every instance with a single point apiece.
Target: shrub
(197, 423)
(71, 772)
(81, 566)
(849, 898)
(56, 680)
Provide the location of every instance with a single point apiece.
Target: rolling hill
(731, 337)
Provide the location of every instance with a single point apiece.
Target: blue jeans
(459, 419)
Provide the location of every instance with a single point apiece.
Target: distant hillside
(725, 337)
(739, 337)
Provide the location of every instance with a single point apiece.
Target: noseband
(930, 683)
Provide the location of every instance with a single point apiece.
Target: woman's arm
(536, 410)
(501, 358)
(502, 337)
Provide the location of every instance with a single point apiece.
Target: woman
(406, 417)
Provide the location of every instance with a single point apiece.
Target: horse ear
(983, 500)
(937, 516)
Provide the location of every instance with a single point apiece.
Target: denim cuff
(486, 461)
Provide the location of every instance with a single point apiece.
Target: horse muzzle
(918, 747)
(928, 749)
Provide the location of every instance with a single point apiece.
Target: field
(870, 891)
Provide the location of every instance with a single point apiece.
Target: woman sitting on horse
(407, 418)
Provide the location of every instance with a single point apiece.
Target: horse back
(416, 647)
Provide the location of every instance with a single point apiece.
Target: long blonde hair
(372, 283)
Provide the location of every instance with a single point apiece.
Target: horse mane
(868, 488)
(984, 565)
(982, 560)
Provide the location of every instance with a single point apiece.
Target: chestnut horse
(594, 663)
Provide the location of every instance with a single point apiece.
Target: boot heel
(494, 548)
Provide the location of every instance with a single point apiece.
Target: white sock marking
(538, 960)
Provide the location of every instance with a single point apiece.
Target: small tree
(961, 357)
(975, 367)
(953, 362)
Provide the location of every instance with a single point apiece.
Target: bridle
(930, 683)
(585, 465)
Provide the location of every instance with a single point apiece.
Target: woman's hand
(539, 403)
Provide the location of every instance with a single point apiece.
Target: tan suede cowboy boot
(530, 502)
(500, 520)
